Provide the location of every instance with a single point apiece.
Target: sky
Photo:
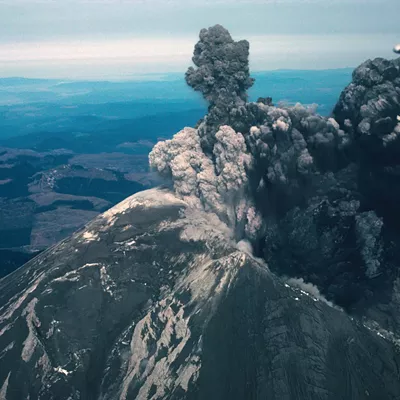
(119, 39)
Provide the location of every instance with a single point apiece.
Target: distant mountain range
(321, 86)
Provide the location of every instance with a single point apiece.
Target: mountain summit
(267, 269)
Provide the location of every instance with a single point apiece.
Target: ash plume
(218, 186)
(221, 74)
(293, 184)
(369, 110)
(222, 68)
(222, 169)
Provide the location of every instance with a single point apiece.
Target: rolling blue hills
(41, 110)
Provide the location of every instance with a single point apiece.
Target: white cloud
(317, 51)
(137, 49)
(115, 58)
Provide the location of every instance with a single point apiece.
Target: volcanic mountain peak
(150, 311)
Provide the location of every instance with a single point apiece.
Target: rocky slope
(154, 301)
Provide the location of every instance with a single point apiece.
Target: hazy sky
(117, 39)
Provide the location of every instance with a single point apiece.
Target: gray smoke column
(222, 68)
(221, 74)
(208, 165)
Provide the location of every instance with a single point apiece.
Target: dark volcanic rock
(152, 300)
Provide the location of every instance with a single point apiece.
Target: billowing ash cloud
(294, 142)
(369, 110)
(222, 68)
(217, 167)
(369, 106)
(305, 191)
(221, 74)
(218, 184)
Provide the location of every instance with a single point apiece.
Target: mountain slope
(152, 300)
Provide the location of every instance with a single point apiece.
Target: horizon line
(134, 77)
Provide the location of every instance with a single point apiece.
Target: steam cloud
(260, 168)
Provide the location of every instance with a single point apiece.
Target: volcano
(266, 269)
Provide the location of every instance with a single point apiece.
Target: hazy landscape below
(70, 150)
